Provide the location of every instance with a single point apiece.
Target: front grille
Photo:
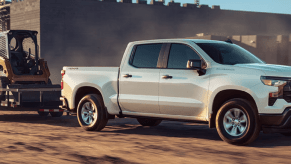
(287, 92)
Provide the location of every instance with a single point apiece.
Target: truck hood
(269, 69)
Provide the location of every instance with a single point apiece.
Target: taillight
(63, 73)
(62, 83)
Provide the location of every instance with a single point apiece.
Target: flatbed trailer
(42, 98)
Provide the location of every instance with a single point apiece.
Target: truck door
(182, 91)
(139, 80)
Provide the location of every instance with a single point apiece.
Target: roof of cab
(176, 40)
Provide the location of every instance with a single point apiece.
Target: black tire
(241, 130)
(287, 134)
(148, 122)
(97, 115)
(43, 114)
(56, 114)
(4, 81)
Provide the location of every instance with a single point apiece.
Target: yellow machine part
(7, 70)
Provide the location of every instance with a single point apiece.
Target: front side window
(228, 54)
(179, 56)
(146, 55)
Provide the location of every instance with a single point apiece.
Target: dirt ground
(26, 137)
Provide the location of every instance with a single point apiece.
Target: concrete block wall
(289, 50)
(25, 15)
(283, 50)
(271, 49)
(95, 33)
(267, 48)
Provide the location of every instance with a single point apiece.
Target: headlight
(272, 82)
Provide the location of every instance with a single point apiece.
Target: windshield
(228, 54)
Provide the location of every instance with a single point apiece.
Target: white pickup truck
(215, 82)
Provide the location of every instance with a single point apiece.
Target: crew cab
(194, 80)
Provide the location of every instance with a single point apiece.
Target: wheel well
(226, 95)
(81, 92)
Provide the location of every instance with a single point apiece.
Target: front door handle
(167, 77)
(127, 75)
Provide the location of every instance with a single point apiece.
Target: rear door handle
(127, 75)
(167, 77)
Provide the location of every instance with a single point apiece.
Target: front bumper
(276, 123)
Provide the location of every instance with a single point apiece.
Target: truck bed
(103, 78)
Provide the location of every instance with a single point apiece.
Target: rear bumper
(276, 123)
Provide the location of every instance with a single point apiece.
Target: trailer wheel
(91, 113)
(43, 114)
(56, 114)
(4, 81)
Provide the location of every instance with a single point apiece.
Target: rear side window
(179, 56)
(146, 55)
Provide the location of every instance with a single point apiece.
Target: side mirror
(195, 64)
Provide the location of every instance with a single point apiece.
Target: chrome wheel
(235, 122)
(89, 113)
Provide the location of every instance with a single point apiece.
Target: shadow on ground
(131, 126)
(67, 121)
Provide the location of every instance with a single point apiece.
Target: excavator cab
(19, 58)
(23, 52)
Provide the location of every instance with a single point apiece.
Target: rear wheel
(148, 122)
(91, 113)
(237, 123)
(56, 114)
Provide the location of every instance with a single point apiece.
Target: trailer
(24, 76)
(45, 99)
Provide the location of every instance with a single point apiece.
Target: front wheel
(237, 123)
(91, 113)
(148, 122)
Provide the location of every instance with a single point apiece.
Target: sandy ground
(26, 137)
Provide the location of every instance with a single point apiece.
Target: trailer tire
(4, 81)
(91, 113)
(56, 114)
(43, 114)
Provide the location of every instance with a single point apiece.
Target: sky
(270, 6)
